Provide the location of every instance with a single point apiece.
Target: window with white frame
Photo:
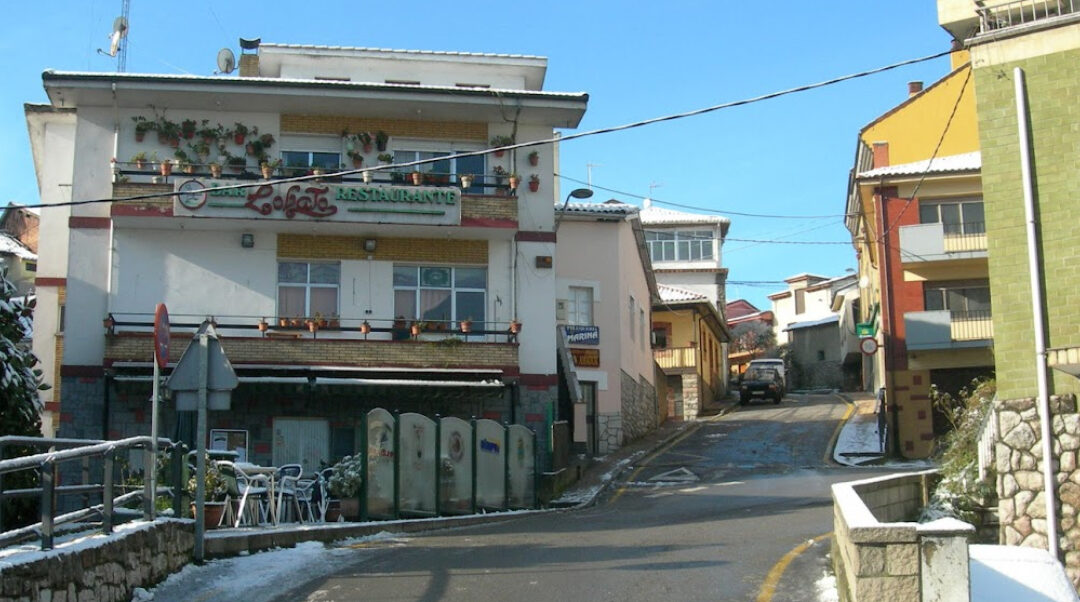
(448, 169)
(580, 307)
(440, 294)
(963, 216)
(679, 245)
(308, 288)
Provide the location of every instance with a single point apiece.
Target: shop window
(440, 294)
(308, 288)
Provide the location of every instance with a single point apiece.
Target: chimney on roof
(913, 88)
(881, 154)
(249, 61)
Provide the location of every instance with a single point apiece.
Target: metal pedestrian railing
(81, 452)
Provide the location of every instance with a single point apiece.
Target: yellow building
(689, 338)
(915, 215)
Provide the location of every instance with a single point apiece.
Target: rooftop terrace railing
(1022, 12)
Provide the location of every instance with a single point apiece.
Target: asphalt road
(706, 518)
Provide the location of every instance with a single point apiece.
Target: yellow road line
(827, 458)
(768, 588)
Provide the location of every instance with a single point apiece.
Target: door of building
(588, 397)
(303, 441)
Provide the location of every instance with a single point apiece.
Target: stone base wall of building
(142, 557)
(1018, 461)
(638, 407)
(691, 397)
(610, 433)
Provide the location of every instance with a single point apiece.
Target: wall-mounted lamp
(369, 245)
(247, 240)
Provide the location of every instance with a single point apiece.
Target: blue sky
(786, 157)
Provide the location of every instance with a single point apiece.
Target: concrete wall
(142, 557)
(880, 554)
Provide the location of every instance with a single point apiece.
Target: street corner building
(396, 273)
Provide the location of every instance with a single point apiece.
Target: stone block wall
(1018, 461)
(879, 554)
(691, 396)
(140, 557)
(638, 407)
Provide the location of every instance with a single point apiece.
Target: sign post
(161, 359)
(203, 379)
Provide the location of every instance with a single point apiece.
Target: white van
(775, 364)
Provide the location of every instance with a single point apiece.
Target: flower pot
(415, 330)
(514, 181)
(534, 159)
(139, 136)
(267, 172)
(499, 153)
(189, 168)
(466, 181)
(215, 171)
(466, 326)
(313, 326)
(238, 139)
(367, 148)
(263, 326)
(333, 511)
(515, 327)
(140, 164)
(283, 322)
(166, 168)
(534, 186)
(212, 512)
(367, 177)
(417, 178)
(358, 162)
(350, 508)
(365, 328)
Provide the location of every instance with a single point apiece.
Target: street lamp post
(577, 193)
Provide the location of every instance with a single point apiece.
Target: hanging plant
(187, 128)
(239, 132)
(381, 138)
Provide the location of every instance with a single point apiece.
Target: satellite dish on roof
(226, 61)
(119, 32)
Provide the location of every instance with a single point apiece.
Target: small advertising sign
(583, 335)
(586, 358)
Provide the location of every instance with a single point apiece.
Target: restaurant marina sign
(321, 201)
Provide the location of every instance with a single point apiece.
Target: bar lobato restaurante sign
(321, 201)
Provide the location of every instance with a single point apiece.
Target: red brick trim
(81, 371)
(488, 222)
(52, 406)
(49, 281)
(90, 223)
(527, 236)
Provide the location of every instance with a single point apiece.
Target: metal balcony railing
(150, 172)
(1022, 12)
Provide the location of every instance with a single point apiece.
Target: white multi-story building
(314, 285)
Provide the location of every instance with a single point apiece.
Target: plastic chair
(245, 488)
(288, 484)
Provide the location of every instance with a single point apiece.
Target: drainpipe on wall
(1039, 321)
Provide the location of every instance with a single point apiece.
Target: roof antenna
(118, 37)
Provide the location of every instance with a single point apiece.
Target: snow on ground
(260, 576)
(1008, 573)
(826, 588)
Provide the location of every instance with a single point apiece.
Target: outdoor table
(269, 472)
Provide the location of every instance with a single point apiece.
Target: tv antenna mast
(118, 37)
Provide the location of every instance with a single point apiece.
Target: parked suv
(773, 364)
(760, 383)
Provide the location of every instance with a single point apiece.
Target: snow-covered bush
(347, 477)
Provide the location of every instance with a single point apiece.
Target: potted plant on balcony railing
(515, 326)
(381, 138)
(416, 328)
(465, 180)
(417, 178)
(268, 168)
(365, 141)
(365, 328)
(498, 141)
(215, 169)
(210, 135)
(239, 133)
(263, 325)
(237, 164)
(514, 180)
(357, 158)
(466, 325)
(166, 167)
(139, 159)
(142, 125)
(534, 183)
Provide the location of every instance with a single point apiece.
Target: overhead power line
(531, 143)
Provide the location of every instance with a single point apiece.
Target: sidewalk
(859, 441)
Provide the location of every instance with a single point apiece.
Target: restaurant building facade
(404, 272)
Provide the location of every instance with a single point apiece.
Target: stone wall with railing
(136, 555)
(1018, 458)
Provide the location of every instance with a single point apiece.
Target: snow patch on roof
(670, 294)
(952, 164)
(607, 208)
(658, 215)
(9, 245)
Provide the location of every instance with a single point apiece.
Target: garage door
(303, 441)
